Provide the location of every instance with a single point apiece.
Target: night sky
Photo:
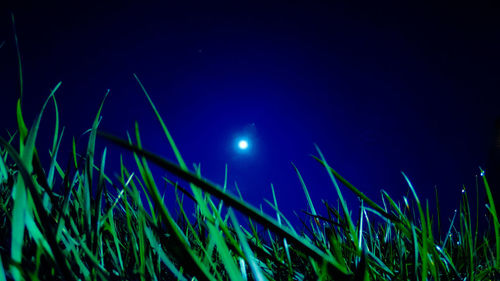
(380, 88)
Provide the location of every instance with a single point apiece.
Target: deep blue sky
(380, 88)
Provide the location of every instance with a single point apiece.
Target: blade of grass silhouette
(250, 211)
(19, 63)
(439, 213)
(321, 218)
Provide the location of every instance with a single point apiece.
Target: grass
(97, 227)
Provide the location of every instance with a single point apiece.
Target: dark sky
(380, 88)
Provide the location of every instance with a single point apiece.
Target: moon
(243, 144)
(244, 141)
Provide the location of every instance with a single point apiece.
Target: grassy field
(101, 227)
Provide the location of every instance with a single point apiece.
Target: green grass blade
(2, 271)
(494, 216)
(448, 234)
(257, 272)
(343, 204)
(163, 126)
(96, 219)
(309, 201)
(226, 258)
(278, 217)
(196, 192)
(116, 241)
(448, 260)
(155, 245)
(89, 167)
(3, 171)
(35, 232)
(23, 129)
(423, 252)
(360, 232)
(356, 191)
(415, 250)
(55, 145)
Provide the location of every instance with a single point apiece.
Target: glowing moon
(243, 144)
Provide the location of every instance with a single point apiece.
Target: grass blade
(257, 272)
(423, 252)
(2, 271)
(343, 204)
(494, 216)
(358, 193)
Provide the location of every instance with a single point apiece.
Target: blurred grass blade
(225, 256)
(2, 271)
(361, 273)
(19, 62)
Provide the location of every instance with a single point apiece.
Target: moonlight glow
(243, 144)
